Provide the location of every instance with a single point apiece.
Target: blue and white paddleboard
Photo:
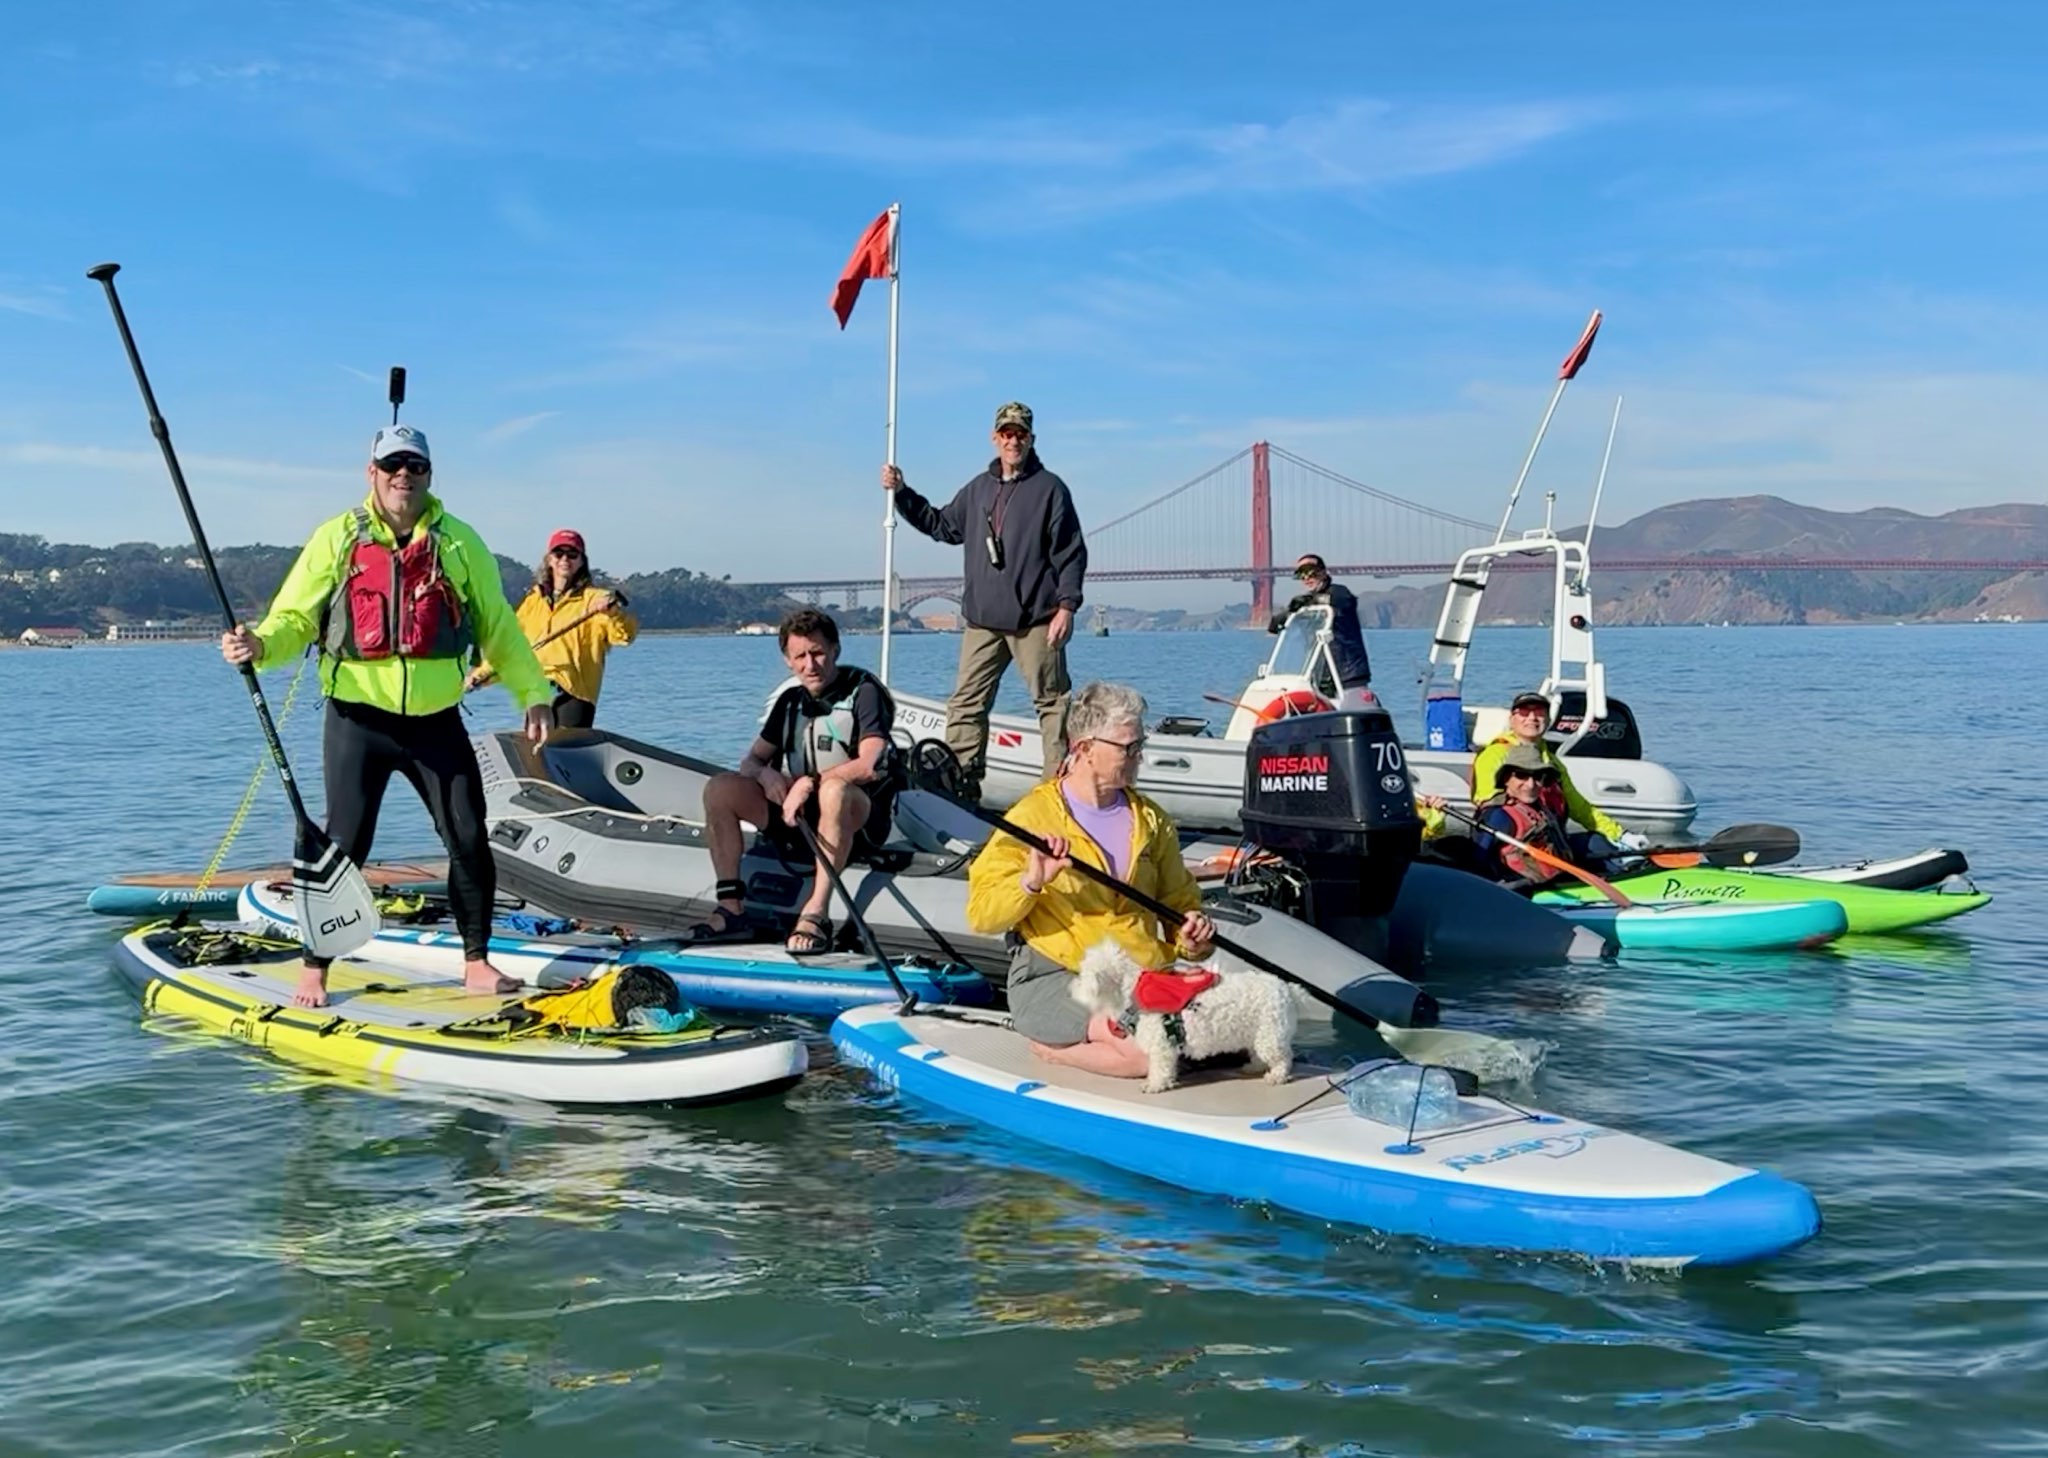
(743, 977)
(1505, 1178)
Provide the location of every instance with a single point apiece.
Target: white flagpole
(1601, 485)
(889, 513)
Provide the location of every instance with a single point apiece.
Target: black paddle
(1738, 846)
(338, 913)
(867, 933)
(1419, 1045)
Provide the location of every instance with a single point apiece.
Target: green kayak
(1869, 908)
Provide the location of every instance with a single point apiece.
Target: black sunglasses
(415, 465)
(563, 552)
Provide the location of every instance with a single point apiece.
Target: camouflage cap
(1524, 757)
(1015, 413)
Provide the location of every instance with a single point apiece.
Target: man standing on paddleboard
(397, 594)
(1026, 558)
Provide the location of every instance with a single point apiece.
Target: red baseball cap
(566, 538)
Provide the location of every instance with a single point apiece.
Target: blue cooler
(1443, 721)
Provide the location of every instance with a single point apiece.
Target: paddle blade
(336, 908)
(1751, 845)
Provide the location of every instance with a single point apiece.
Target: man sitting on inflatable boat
(821, 755)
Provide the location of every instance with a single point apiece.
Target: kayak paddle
(1738, 846)
(1449, 1047)
(1554, 862)
(337, 911)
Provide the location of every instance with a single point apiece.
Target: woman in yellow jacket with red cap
(572, 624)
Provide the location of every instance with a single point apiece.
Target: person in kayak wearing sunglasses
(572, 624)
(1528, 718)
(1347, 638)
(1524, 806)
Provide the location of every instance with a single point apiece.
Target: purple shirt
(1109, 828)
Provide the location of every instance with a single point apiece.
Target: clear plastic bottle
(660, 1019)
(1389, 1095)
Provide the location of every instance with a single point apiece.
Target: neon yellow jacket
(1072, 914)
(413, 686)
(574, 662)
(1486, 765)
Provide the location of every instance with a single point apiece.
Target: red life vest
(1540, 826)
(395, 602)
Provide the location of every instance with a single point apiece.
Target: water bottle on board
(1394, 1093)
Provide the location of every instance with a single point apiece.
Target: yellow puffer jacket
(1072, 914)
(415, 686)
(574, 662)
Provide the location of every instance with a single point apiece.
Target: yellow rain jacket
(414, 686)
(574, 662)
(1486, 765)
(1072, 914)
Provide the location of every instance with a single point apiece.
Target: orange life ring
(1294, 701)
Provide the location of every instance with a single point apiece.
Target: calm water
(206, 1253)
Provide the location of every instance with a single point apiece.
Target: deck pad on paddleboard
(1504, 1178)
(388, 1022)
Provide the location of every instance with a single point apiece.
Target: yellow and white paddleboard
(388, 1024)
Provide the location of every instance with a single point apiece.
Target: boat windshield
(1294, 654)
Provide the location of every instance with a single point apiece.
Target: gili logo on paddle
(1283, 772)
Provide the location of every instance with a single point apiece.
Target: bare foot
(481, 976)
(312, 987)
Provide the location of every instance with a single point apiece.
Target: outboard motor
(1614, 737)
(1330, 792)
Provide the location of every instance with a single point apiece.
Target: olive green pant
(984, 654)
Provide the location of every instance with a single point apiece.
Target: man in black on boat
(1026, 558)
(822, 754)
(1347, 638)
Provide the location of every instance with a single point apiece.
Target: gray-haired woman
(1089, 813)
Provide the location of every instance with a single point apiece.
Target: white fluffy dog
(1247, 1011)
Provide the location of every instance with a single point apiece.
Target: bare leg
(1106, 1052)
(728, 800)
(842, 811)
(312, 991)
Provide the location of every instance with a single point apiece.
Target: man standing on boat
(1347, 638)
(397, 594)
(1025, 561)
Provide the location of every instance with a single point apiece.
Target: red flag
(873, 257)
(1572, 361)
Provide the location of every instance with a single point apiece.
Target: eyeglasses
(1129, 747)
(1543, 709)
(570, 552)
(1013, 432)
(1541, 777)
(404, 465)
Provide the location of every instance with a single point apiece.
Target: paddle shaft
(1164, 912)
(867, 933)
(1558, 862)
(105, 274)
(546, 638)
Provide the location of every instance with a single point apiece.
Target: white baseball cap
(399, 440)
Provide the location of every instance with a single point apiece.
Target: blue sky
(601, 237)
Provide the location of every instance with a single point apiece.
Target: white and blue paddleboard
(736, 977)
(1503, 1178)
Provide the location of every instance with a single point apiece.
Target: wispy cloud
(1099, 164)
(516, 426)
(44, 301)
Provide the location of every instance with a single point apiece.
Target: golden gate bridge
(1248, 518)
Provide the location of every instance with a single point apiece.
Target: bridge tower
(1262, 536)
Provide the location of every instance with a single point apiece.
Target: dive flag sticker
(1009, 739)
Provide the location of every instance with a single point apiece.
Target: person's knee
(841, 801)
(726, 794)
